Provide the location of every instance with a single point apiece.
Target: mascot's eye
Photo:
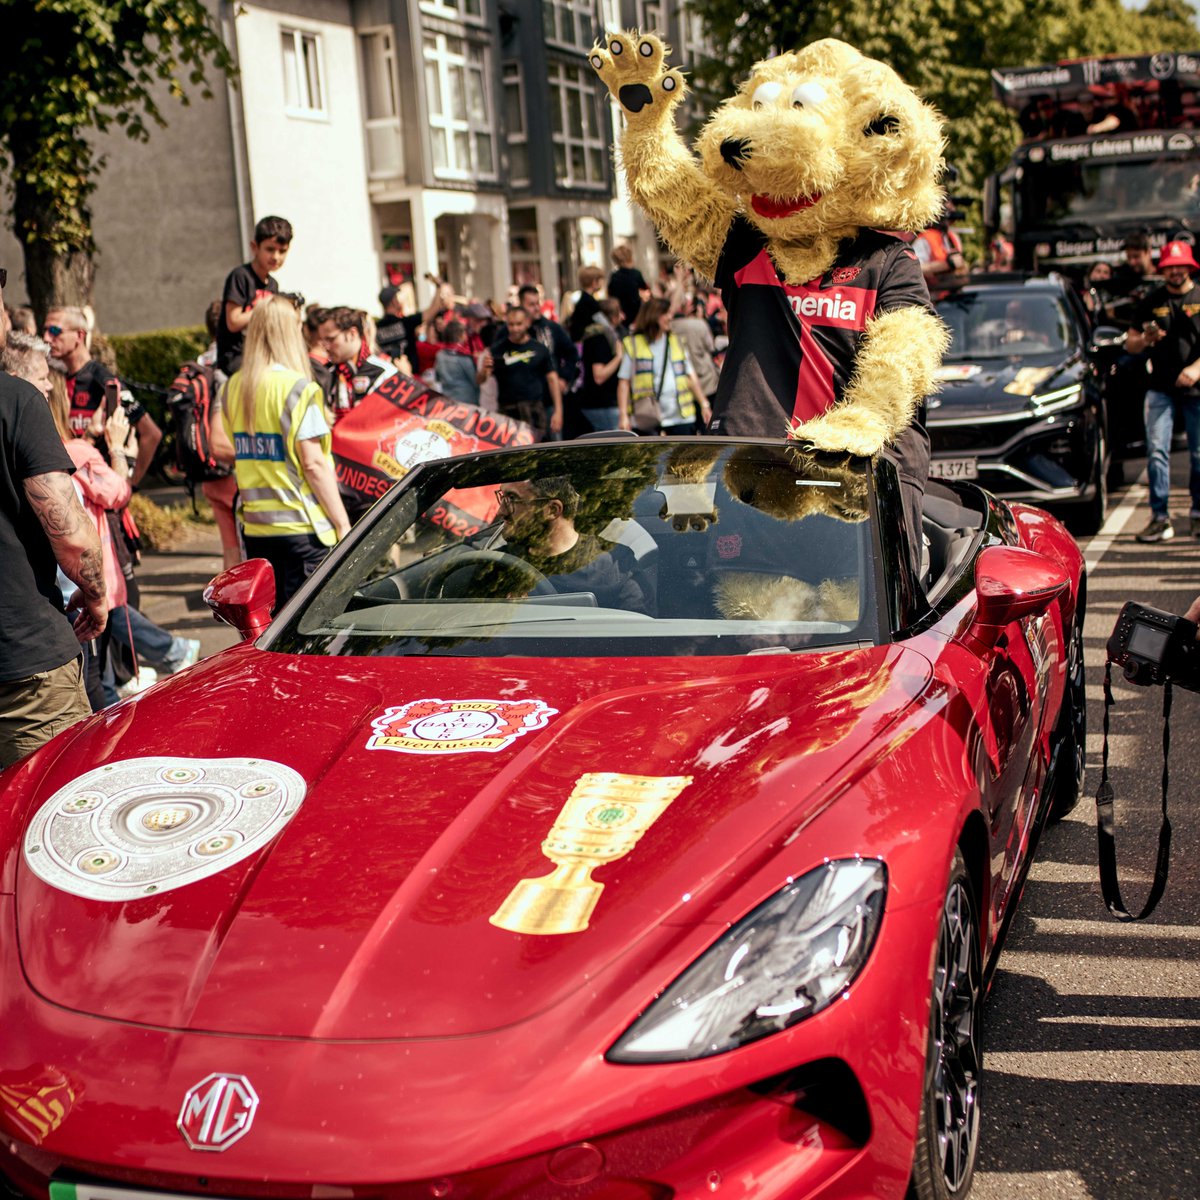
(808, 93)
(767, 93)
(884, 123)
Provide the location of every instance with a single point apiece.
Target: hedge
(154, 358)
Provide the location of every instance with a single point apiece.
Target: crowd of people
(626, 355)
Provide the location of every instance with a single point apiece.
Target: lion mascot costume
(832, 338)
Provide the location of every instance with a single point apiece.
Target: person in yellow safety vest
(651, 398)
(291, 509)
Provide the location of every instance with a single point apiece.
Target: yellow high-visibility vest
(276, 499)
(644, 383)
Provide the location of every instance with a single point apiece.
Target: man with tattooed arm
(42, 527)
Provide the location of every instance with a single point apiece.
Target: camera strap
(1105, 825)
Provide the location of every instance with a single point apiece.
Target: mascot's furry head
(824, 141)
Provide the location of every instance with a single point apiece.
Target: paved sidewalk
(172, 583)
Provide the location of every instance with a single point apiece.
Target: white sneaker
(190, 655)
(145, 678)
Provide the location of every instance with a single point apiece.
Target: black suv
(1022, 406)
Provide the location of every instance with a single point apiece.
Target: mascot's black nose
(735, 151)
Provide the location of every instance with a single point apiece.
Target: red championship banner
(403, 424)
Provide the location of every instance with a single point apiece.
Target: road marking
(1098, 546)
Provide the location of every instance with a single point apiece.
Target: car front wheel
(948, 1129)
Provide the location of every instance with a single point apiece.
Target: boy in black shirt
(1168, 323)
(247, 285)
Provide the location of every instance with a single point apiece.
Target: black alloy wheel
(1089, 517)
(948, 1128)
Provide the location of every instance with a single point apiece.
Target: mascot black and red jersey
(793, 347)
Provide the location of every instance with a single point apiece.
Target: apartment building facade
(467, 139)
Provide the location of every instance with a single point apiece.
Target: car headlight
(1056, 401)
(790, 958)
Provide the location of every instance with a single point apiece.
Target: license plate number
(954, 468)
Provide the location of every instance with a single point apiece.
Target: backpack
(190, 399)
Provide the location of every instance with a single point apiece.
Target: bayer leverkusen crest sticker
(456, 726)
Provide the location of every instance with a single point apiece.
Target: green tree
(946, 50)
(73, 69)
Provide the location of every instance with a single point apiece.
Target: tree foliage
(946, 49)
(77, 68)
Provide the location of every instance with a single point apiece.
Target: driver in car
(538, 518)
(1025, 322)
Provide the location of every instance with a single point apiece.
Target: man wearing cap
(395, 333)
(1167, 324)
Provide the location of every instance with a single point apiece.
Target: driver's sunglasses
(511, 499)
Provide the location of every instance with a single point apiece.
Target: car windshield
(1062, 195)
(647, 547)
(1004, 324)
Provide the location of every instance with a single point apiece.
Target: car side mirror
(243, 597)
(1106, 337)
(1011, 583)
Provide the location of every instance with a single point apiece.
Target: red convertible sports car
(620, 819)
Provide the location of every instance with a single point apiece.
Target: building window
(303, 83)
(460, 123)
(652, 19)
(514, 124)
(524, 255)
(696, 45)
(471, 10)
(580, 148)
(379, 75)
(381, 105)
(570, 22)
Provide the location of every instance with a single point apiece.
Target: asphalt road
(1092, 1037)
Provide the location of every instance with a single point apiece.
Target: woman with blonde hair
(658, 391)
(290, 506)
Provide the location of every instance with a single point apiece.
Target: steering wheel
(436, 580)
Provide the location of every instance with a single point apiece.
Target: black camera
(1152, 646)
(296, 299)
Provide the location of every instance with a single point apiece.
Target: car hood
(390, 904)
(991, 387)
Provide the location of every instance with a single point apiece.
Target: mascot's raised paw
(633, 69)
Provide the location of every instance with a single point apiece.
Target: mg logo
(217, 1111)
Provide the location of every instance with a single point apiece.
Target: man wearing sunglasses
(89, 384)
(538, 525)
(42, 527)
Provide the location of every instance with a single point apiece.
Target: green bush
(154, 358)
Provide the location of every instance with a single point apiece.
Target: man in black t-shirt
(627, 284)
(1167, 322)
(250, 284)
(42, 526)
(395, 333)
(602, 354)
(526, 377)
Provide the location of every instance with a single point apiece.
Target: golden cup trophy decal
(604, 818)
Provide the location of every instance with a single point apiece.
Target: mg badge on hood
(217, 1111)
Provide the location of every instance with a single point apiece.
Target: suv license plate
(954, 468)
